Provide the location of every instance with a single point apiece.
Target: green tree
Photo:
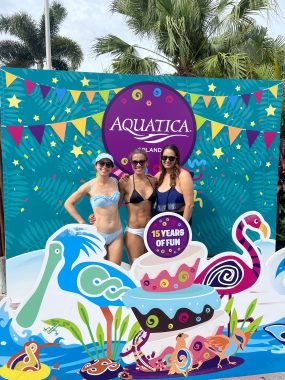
(193, 37)
(29, 48)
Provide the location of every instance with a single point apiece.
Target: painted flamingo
(230, 273)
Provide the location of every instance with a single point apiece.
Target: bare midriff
(107, 219)
(139, 214)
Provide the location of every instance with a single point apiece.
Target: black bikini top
(137, 198)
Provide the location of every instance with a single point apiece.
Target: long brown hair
(176, 168)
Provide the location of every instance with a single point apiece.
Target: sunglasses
(170, 158)
(105, 163)
(136, 162)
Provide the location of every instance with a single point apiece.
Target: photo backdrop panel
(55, 123)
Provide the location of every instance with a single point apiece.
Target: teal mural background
(39, 176)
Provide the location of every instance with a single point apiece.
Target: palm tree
(29, 49)
(184, 33)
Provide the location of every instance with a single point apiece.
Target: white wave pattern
(157, 138)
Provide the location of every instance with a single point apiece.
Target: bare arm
(122, 188)
(73, 199)
(187, 188)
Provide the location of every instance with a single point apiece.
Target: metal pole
(47, 29)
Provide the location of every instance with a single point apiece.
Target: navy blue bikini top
(136, 196)
(170, 200)
(101, 200)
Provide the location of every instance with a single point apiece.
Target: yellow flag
(194, 98)
(98, 117)
(90, 96)
(9, 78)
(207, 100)
(200, 120)
(183, 93)
(220, 100)
(75, 95)
(80, 124)
(274, 90)
(216, 128)
(117, 90)
(60, 129)
(105, 95)
(233, 133)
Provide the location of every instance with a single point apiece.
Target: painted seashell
(101, 369)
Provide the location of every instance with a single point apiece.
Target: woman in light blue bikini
(104, 196)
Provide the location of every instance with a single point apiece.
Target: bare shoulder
(184, 174)
(157, 175)
(153, 180)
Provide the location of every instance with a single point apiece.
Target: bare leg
(135, 246)
(115, 250)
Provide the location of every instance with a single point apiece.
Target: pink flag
(29, 86)
(268, 138)
(16, 132)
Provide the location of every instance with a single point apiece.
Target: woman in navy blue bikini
(104, 196)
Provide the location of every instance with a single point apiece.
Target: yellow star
(14, 102)
(212, 87)
(52, 143)
(54, 80)
(270, 110)
(85, 82)
(198, 152)
(226, 115)
(218, 152)
(76, 150)
(52, 118)
(36, 118)
(36, 188)
(252, 123)
(238, 146)
(15, 162)
(268, 164)
(237, 88)
(67, 110)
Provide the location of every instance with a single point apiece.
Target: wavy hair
(175, 170)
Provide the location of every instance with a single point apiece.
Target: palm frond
(15, 54)
(64, 48)
(128, 62)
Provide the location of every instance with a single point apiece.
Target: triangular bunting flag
(29, 86)
(207, 100)
(10, 78)
(90, 95)
(233, 99)
(216, 128)
(233, 133)
(60, 129)
(117, 90)
(98, 117)
(274, 90)
(38, 132)
(80, 124)
(105, 95)
(16, 132)
(251, 136)
(183, 93)
(258, 96)
(220, 100)
(200, 120)
(268, 138)
(44, 90)
(75, 95)
(194, 98)
(246, 98)
(60, 93)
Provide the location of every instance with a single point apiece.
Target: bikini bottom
(109, 238)
(135, 231)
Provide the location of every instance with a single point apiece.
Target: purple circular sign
(148, 115)
(167, 235)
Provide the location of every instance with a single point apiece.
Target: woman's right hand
(92, 218)
(125, 177)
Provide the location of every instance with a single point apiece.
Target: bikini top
(101, 200)
(170, 200)
(136, 196)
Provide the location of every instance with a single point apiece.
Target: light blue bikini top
(101, 200)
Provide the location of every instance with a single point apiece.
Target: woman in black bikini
(139, 194)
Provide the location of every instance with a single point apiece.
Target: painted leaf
(250, 309)
(83, 313)
(229, 305)
(100, 336)
(254, 325)
(124, 326)
(118, 317)
(233, 321)
(134, 330)
(70, 326)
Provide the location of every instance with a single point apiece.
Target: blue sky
(89, 19)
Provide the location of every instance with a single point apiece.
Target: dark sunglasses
(105, 163)
(170, 158)
(136, 162)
